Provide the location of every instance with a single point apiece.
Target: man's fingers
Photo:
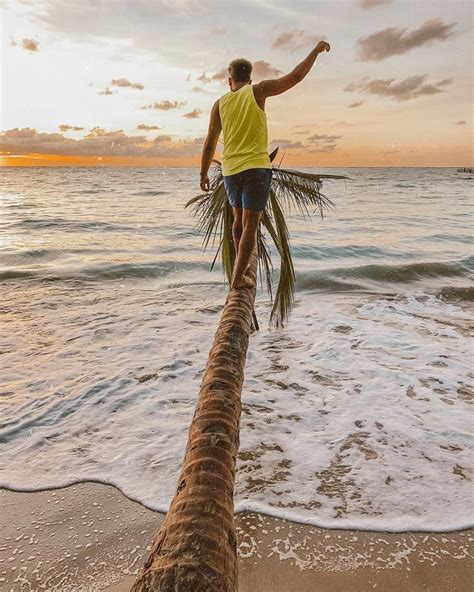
(323, 46)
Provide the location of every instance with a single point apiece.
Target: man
(240, 115)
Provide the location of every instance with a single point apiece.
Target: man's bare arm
(270, 88)
(210, 145)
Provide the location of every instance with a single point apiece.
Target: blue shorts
(249, 189)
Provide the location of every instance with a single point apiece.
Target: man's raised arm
(270, 88)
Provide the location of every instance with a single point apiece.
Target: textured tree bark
(195, 549)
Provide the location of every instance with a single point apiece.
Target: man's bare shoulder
(215, 109)
(259, 94)
(276, 86)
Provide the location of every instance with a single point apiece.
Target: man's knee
(251, 220)
(237, 228)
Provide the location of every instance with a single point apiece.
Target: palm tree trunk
(195, 548)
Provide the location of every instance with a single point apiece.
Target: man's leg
(250, 221)
(237, 228)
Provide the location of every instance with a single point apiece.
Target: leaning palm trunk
(195, 549)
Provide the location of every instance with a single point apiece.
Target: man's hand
(205, 183)
(270, 88)
(323, 46)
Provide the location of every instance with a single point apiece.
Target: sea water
(356, 414)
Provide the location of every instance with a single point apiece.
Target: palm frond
(265, 266)
(273, 219)
(209, 208)
(215, 218)
(228, 249)
(300, 192)
(290, 191)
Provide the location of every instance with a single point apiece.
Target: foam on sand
(355, 416)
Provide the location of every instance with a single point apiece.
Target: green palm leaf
(273, 220)
(290, 191)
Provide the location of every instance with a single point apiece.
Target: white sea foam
(355, 416)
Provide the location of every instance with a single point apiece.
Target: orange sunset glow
(395, 90)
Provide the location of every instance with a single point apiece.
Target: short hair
(240, 70)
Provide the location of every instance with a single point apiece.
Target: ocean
(356, 414)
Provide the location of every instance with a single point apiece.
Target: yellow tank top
(244, 126)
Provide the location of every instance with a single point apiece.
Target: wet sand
(90, 537)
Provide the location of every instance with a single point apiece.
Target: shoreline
(246, 507)
(90, 537)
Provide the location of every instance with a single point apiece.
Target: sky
(132, 82)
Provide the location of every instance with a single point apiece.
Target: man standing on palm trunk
(240, 115)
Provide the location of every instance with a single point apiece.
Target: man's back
(244, 127)
(246, 165)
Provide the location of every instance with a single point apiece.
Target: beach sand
(90, 537)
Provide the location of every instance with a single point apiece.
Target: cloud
(295, 39)
(461, 122)
(151, 25)
(194, 114)
(165, 105)
(367, 4)
(287, 144)
(221, 74)
(410, 88)
(21, 134)
(343, 123)
(324, 142)
(66, 128)
(323, 138)
(260, 71)
(396, 41)
(98, 142)
(161, 139)
(30, 45)
(204, 78)
(106, 92)
(327, 148)
(124, 83)
(97, 132)
(355, 104)
(147, 128)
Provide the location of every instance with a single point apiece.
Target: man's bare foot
(244, 282)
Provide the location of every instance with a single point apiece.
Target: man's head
(240, 71)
